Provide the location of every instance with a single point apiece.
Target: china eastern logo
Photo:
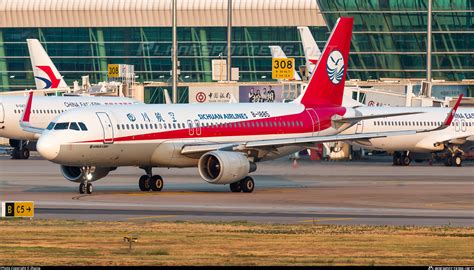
(51, 81)
(335, 67)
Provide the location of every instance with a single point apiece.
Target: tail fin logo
(335, 67)
(53, 82)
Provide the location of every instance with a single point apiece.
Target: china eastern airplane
(224, 141)
(45, 107)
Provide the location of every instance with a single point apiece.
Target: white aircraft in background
(45, 107)
(224, 141)
(46, 74)
(310, 48)
(460, 131)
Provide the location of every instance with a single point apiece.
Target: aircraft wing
(276, 143)
(337, 119)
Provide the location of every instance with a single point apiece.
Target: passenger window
(74, 126)
(82, 126)
(146, 126)
(133, 126)
(141, 126)
(137, 126)
(169, 125)
(174, 125)
(118, 126)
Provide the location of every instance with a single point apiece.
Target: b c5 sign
(18, 209)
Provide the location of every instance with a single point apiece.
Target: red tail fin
(326, 86)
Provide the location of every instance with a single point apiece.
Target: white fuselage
(153, 135)
(460, 130)
(44, 110)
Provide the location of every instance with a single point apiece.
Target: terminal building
(84, 36)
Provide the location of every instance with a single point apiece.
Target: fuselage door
(107, 127)
(198, 127)
(2, 113)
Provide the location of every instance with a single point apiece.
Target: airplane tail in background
(45, 72)
(310, 48)
(277, 52)
(326, 85)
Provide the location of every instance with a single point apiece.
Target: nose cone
(48, 147)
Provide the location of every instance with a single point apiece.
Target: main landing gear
(401, 159)
(20, 151)
(149, 181)
(245, 185)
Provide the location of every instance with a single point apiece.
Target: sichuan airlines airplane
(224, 141)
(45, 107)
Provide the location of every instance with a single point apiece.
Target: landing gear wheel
(235, 187)
(405, 160)
(457, 160)
(396, 159)
(156, 183)
(82, 188)
(448, 162)
(144, 183)
(89, 188)
(247, 184)
(24, 153)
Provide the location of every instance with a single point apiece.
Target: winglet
(25, 118)
(27, 112)
(450, 116)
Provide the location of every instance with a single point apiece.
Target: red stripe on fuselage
(279, 125)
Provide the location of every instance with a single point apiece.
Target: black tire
(457, 161)
(89, 188)
(24, 153)
(396, 159)
(405, 160)
(16, 153)
(235, 187)
(82, 188)
(448, 162)
(144, 183)
(247, 184)
(156, 183)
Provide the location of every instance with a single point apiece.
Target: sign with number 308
(283, 68)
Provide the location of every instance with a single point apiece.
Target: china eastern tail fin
(45, 72)
(326, 86)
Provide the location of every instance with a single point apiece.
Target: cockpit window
(61, 126)
(74, 126)
(51, 126)
(83, 126)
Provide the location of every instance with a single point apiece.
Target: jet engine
(78, 174)
(221, 167)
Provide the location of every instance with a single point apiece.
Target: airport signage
(260, 93)
(283, 68)
(18, 209)
(214, 94)
(113, 71)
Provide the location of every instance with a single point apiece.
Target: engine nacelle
(78, 174)
(221, 167)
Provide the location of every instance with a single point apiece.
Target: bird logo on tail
(335, 67)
